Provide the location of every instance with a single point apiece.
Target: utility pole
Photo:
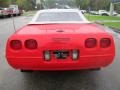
(111, 9)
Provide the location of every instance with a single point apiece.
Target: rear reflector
(16, 44)
(90, 43)
(75, 54)
(47, 55)
(105, 42)
(31, 44)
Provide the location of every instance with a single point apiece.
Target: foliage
(97, 18)
(117, 8)
(82, 4)
(4, 3)
(23, 4)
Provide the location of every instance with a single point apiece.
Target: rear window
(58, 16)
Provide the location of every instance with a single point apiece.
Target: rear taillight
(90, 43)
(16, 44)
(105, 42)
(31, 44)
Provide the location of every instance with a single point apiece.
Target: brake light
(90, 43)
(105, 42)
(31, 44)
(16, 44)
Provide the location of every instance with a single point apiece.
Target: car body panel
(72, 37)
(64, 36)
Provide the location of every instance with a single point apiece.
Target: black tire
(4, 16)
(26, 71)
(1, 16)
(9, 16)
(14, 15)
(104, 14)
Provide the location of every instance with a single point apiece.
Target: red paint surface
(60, 37)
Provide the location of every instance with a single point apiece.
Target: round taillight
(90, 43)
(105, 42)
(31, 44)
(16, 44)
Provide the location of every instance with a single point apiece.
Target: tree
(93, 4)
(82, 4)
(117, 8)
(4, 3)
(20, 2)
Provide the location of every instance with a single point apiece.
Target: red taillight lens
(16, 44)
(90, 43)
(105, 42)
(31, 44)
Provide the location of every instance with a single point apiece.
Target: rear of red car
(60, 47)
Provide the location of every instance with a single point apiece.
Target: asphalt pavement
(106, 79)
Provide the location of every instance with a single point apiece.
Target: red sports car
(60, 39)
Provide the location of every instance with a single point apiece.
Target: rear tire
(14, 15)
(9, 16)
(26, 71)
(104, 14)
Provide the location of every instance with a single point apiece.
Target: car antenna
(13, 21)
(89, 9)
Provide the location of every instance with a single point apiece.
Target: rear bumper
(85, 62)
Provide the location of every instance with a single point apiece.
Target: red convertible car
(60, 39)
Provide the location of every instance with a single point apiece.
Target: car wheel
(104, 14)
(1, 16)
(14, 15)
(9, 16)
(27, 71)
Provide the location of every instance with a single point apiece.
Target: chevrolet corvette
(60, 39)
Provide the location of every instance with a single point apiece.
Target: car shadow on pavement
(63, 80)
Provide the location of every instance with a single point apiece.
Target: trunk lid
(60, 29)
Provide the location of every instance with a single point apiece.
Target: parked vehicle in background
(83, 11)
(94, 12)
(16, 10)
(103, 13)
(6, 12)
(115, 13)
(1, 10)
(106, 13)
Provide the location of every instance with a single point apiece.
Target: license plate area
(61, 54)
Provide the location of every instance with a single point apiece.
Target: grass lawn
(97, 17)
(110, 24)
(29, 13)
